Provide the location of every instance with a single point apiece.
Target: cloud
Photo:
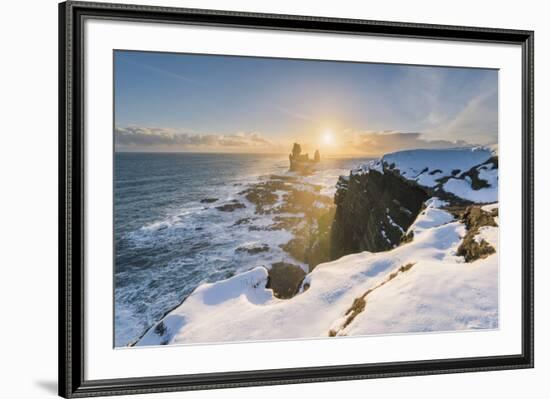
(147, 138)
(377, 143)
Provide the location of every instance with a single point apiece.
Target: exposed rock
(320, 244)
(230, 207)
(285, 279)
(317, 156)
(242, 221)
(311, 225)
(373, 212)
(263, 195)
(298, 247)
(208, 200)
(472, 175)
(471, 249)
(476, 182)
(162, 332)
(253, 249)
(285, 223)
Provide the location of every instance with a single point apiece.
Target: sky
(208, 103)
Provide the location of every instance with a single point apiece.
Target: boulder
(285, 279)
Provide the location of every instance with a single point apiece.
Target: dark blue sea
(167, 241)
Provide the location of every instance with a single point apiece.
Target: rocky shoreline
(300, 208)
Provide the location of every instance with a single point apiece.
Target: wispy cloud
(294, 114)
(477, 120)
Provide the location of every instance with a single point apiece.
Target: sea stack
(300, 162)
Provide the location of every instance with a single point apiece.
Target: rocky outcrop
(473, 248)
(253, 249)
(301, 209)
(208, 200)
(231, 206)
(285, 279)
(373, 212)
(300, 162)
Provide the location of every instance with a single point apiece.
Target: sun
(328, 137)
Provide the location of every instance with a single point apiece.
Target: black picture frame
(71, 199)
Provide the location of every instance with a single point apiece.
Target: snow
(490, 207)
(432, 297)
(431, 216)
(489, 174)
(365, 168)
(463, 189)
(385, 236)
(489, 234)
(484, 195)
(427, 166)
(439, 293)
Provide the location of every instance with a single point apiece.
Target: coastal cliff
(373, 211)
(377, 202)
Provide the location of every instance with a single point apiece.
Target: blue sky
(185, 102)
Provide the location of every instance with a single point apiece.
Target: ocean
(170, 235)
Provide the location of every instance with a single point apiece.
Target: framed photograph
(252, 199)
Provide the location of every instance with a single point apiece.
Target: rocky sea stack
(300, 162)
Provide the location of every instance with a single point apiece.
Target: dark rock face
(373, 211)
(285, 279)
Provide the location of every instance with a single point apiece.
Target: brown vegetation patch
(472, 250)
(473, 218)
(407, 237)
(360, 303)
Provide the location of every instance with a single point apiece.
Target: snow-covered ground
(428, 168)
(439, 292)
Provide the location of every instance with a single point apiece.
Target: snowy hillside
(443, 277)
(469, 173)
